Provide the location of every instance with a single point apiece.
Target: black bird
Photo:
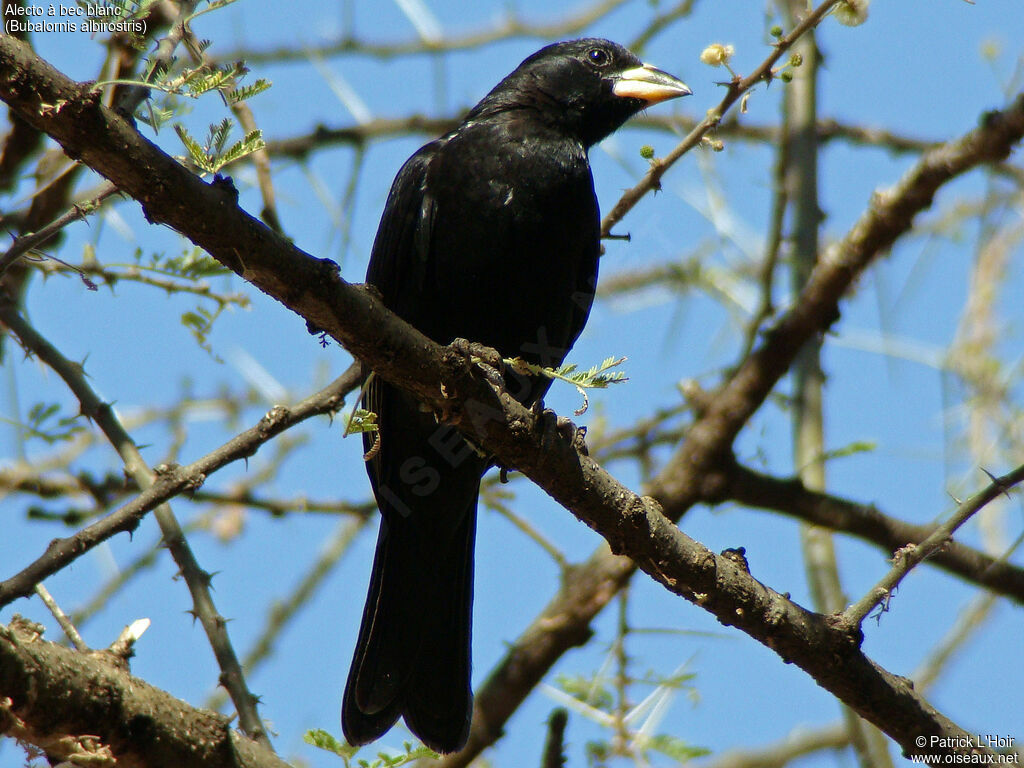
(491, 234)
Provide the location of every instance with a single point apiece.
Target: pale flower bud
(716, 54)
(852, 13)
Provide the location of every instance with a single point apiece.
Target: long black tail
(412, 657)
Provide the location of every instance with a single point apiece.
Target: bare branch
(174, 481)
(739, 86)
(906, 558)
(50, 692)
(26, 243)
(359, 134)
(62, 619)
(510, 27)
(791, 497)
(794, 746)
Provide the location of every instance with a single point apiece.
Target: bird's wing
(399, 265)
(400, 260)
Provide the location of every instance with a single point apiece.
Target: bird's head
(585, 88)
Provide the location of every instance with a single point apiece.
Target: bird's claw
(577, 436)
(487, 359)
(483, 354)
(552, 424)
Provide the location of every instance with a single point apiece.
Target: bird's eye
(598, 57)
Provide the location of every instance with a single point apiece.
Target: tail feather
(383, 655)
(412, 655)
(438, 699)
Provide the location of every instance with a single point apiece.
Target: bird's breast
(514, 243)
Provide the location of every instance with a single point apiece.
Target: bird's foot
(551, 424)
(473, 354)
(487, 359)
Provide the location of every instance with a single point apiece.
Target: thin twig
(968, 622)
(908, 557)
(61, 617)
(281, 611)
(175, 480)
(131, 273)
(162, 59)
(659, 24)
(492, 498)
(506, 29)
(799, 743)
(652, 179)
(554, 747)
(78, 211)
(773, 245)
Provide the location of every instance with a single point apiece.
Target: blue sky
(915, 69)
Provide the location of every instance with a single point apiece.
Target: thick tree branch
(51, 695)
(209, 215)
(889, 216)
